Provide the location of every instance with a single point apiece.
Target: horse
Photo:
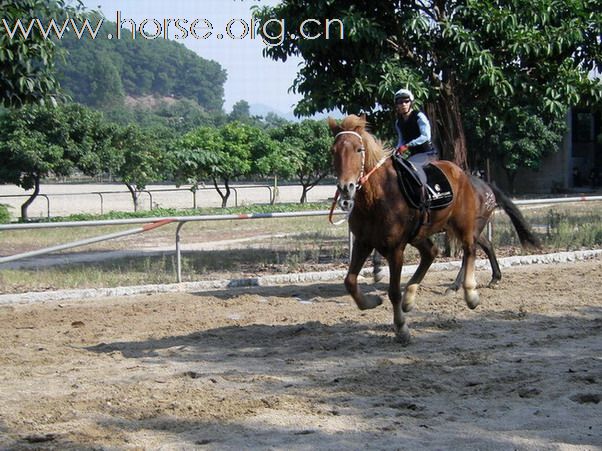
(381, 219)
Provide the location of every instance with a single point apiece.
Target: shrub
(4, 214)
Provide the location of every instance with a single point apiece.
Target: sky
(251, 77)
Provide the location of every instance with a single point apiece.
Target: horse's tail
(525, 235)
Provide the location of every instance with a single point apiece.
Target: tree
(138, 159)
(27, 62)
(454, 55)
(241, 111)
(303, 152)
(222, 154)
(38, 141)
(192, 163)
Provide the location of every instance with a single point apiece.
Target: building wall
(555, 174)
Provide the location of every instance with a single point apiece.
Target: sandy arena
(299, 367)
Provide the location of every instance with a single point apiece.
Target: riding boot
(425, 206)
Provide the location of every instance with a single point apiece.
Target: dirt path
(299, 367)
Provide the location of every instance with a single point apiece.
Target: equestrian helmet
(404, 94)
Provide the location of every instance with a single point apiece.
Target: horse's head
(348, 157)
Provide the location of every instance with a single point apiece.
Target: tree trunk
(448, 131)
(134, 194)
(224, 195)
(511, 177)
(29, 201)
(306, 188)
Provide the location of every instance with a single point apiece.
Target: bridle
(362, 179)
(361, 150)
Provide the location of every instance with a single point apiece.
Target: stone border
(275, 280)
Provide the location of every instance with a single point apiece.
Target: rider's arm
(400, 140)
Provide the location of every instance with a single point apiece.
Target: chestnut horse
(381, 219)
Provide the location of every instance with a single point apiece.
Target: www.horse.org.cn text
(272, 32)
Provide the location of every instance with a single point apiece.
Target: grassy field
(234, 249)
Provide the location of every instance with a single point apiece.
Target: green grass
(169, 212)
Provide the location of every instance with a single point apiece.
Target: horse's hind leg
(428, 252)
(471, 295)
(458, 282)
(359, 254)
(378, 273)
(395, 259)
(496, 273)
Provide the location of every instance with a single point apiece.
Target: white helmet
(404, 94)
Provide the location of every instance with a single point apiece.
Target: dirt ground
(299, 367)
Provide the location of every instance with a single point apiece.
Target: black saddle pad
(439, 191)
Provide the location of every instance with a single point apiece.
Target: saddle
(438, 189)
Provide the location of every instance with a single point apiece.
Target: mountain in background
(102, 73)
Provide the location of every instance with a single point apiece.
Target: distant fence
(149, 193)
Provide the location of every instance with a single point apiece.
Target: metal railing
(153, 223)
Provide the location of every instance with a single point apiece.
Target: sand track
(299, 367)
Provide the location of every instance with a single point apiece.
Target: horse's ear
(334, 127)
(362, 124)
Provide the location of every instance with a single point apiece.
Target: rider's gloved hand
(402, 149)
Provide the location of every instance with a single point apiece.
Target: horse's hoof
(451, 291)
(402, 334)
(370, 302)
(380, 275)
(494, 283)
(472, 298)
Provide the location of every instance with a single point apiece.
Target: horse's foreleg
(395, 260)
(496, 273)
(471, 295)
(428, 252)
(359, 254)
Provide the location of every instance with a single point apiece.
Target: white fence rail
(153, 223)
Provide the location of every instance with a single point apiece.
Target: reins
(362, 179)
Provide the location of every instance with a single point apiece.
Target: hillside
(101, 72)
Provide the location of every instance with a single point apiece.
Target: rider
(413, 130)
(414, 134)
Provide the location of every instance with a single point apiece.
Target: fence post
(47, 204)
(101, 203)
(179, 253)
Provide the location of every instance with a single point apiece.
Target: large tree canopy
(27, 62)
(38, 141)
(454, 55)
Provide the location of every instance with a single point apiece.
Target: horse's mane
(373, 146)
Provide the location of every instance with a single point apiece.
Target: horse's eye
(361, 149)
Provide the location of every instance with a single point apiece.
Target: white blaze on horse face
(348, 168)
